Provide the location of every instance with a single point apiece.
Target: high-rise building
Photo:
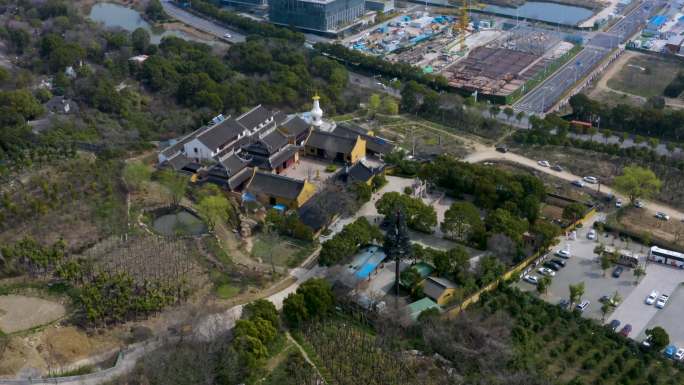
(327, 16)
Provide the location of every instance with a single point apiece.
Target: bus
(667, 257)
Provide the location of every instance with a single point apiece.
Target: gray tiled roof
(330, 142)
(275, 185)
(435, 286)
(295, 126)
(373, 143)
(253, 117)
(233, 164)
(221, 133)
(359, 173)
(239, 178)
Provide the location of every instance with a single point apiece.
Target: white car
(531, 279)
(227, 36)
(618, 203)
(662, 300)
(563, 253)
(679, 356)
(639, 204)
(662, 215)
(544, 163)
(591, 179)
(591, 235)
(546, 271)
(652, 298)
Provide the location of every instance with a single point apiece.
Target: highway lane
(202, 24)
(600, 46)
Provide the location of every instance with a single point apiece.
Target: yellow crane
(461, 27)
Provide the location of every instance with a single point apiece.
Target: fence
(532, 260)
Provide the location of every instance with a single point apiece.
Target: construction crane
(461, 27)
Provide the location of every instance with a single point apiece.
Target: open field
(639, 221)
(284, 252)
(18, 312)
(421, 137)
(644, 75)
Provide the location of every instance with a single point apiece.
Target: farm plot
(645, 75)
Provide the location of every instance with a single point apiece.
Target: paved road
(201, 24)
(539, 100)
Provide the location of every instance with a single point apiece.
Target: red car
(626, 330)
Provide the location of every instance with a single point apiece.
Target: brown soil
(18, 312)
(638, 220)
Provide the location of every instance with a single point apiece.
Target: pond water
(179, 223)
(115, 15)
(549, 12)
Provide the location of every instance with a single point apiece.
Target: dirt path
(306, 356)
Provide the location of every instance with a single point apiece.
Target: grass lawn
(226, 291)
(285, 251)
(645, 75)
(426, 140)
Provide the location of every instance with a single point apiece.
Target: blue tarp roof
(658, 20)
(280, 207)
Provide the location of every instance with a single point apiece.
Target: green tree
(508, 111)
(574, 212)
(155, 11)
(576, 292)
(136, 174)
(374, 104)
(543, 284)
(606, 262)
(214, 210)
(313, 300)
(175, 183)
(140, 39)
(264, 309)
(494, 110)
(389, 106)
(658, 338)
(294, 310)
(639, 272)
(454, 262)
(637, 182)
(461, 221)
(605, 309)
(419, 216)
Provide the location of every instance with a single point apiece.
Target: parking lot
(584, 266)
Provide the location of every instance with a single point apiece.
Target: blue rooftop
(657, 20)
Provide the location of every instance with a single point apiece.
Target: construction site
(490, 55)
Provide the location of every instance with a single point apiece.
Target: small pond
(179, 223)
(115, 15)
(548, 12)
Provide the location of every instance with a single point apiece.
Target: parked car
(531, 279)
(679, 355)
(650, 300)
(591, 179)
(564, 303)
(618, 272)
(582, 306)
(662, 300)
(661, 215)
(559, 262)
(618, 203)
(546, 271)
(577, 183)
(544, 163)
(563, 253)
(591, 235)
(614, 324)
(626, 330)
(503, 149)
(670, 351)
(227, 36)
(557, 168)
(551, 266)
(639, 204)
